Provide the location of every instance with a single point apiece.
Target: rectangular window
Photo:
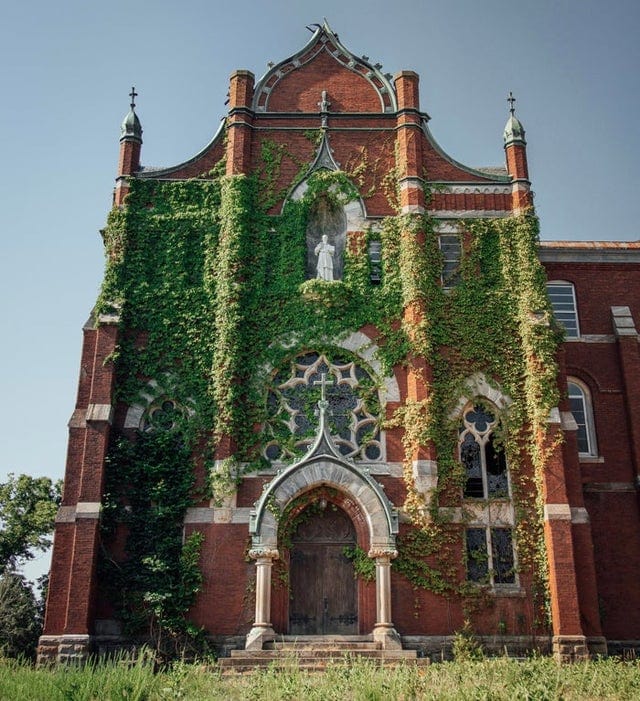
(451, 248)
(490, 558)
(477, 556)
(502, 556)
(563, 300)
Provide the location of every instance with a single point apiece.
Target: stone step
(323, 645)
(313, 665)
(336, 653)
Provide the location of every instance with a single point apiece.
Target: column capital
(264, 554)
(378, 552)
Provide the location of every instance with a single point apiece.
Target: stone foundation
(570, 648)
(64, 649)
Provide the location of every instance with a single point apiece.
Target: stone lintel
(66, 514)
(412, 209)
(78, 419)
(554, 416)
(579, 515)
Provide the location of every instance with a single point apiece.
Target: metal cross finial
(133, 94)
(323, 382)
(511, 99)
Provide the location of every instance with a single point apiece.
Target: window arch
(582, 410)
(562, 296)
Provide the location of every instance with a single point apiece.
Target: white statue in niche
(324, 250)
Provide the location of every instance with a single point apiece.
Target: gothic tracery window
(163, 415)
(483, 460)
(489, 545)
(353, 415)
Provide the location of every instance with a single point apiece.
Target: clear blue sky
(67, 67)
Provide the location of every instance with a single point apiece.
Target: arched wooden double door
(324, 596)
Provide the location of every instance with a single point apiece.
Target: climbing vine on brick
(211, 290)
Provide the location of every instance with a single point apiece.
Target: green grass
(498, 678)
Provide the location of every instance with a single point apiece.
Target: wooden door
(324, 597)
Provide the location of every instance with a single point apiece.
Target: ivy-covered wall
(212, 297)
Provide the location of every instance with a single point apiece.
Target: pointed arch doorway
(324, 596)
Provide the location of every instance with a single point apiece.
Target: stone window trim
(562, 295)
(155, 394)
(581, 403)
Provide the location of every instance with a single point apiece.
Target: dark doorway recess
(324, 598)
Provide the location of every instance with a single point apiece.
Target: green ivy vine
(211, 290)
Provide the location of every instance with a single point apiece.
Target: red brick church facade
(588, 488)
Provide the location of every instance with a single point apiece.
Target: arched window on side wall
(582, 410)
(562, 296)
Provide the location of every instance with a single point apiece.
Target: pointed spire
(131, 129)
(513, 130)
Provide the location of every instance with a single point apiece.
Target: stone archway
(324, 466)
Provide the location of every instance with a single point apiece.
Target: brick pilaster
(73, 571)
(569, 637)
(629, 355)
(128, 164)
(239, 123)
(409, 137)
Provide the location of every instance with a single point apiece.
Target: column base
(388, 636)
(63, 649)
(570, 648)
(259, 635)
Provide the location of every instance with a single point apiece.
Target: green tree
(20, 619)
(27, 512)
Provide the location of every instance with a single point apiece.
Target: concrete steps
(314, 653)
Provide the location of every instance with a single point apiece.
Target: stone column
(384, 631)
(262, 629)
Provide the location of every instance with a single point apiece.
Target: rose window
(292, 408)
